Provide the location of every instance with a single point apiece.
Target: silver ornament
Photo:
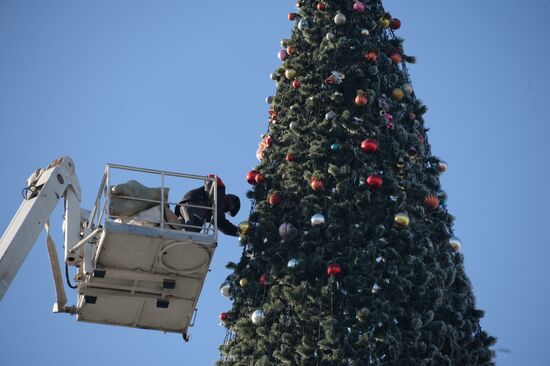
(286, 230)
(408, 89)
(455, 243)
(258, 317)
(293, 263)
(340, 19)
(224, 289)
(273, 76)
(304, 24)
(365, 33)
(294, 126)
(317, 219)
(269, 99)
(330, 116)
(330, 36)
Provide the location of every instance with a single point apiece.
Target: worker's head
(232, 204)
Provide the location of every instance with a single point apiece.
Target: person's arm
(226, 227)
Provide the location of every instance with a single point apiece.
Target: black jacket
(199, 196)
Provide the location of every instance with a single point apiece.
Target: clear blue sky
(180, 85)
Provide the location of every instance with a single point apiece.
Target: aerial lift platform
(144, 270)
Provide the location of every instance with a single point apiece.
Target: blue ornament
(304, 24)
(336, 147)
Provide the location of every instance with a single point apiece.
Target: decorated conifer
(349, 256)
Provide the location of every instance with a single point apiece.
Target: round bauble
(330, 116)
(358, 7)
(292, 263)
(282, 55)
(296, 84)
(402, 219)
(395, 24)
(291, 50)
(361, 100)
(336, 147)
(431, 201)
(290, 74)
(384, 22)
(397, 94)
(374, 181)
(317, 219)
(294, 126)
(251, 177)
(365, 32)
(223, 317)
(243, 282)
(292, 16)
(258, 317)
(244, 228)
(455, 243)
(408, 89)
(334, 269)
(330, 37)
(369, 146)
(395, 57)
(290, 157)
(340, 19)
(317, 184)
(287, 230)
(442, 166)
(371, 56)
(273, 76)
(224, 289)
(269, 99)
(304, 24)
(321, 6)
(259, 179)
(275, 199)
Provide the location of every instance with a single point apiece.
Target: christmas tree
(349, 256)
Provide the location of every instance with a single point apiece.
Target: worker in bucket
(204, 196)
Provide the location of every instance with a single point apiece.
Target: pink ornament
(282, 55)
(358, 7)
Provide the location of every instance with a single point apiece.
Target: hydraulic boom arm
(45, 189)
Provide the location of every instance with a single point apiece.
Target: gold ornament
(384, 22)
(290, 74)
(402, 219)
(397, 94)
(243, 282)
(455, 243)
(244, 228)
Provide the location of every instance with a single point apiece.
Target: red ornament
(375, 181)
(259, 178)
(296, 84)
(268, 140)
(321, 6)
(275, 199)
(431, 201)
(292, 16)
(395, 24)
(369, 146)
(223, 317)
(291, 50)
(251, 177)
(361, 100)
(334, 269)
(290, 157)
(317, 184)
(371, 56)
(395, 57)
(263, 280)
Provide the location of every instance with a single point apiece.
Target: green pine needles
(350, 258)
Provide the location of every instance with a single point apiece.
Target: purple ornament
(358, 7)
(282, 55)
